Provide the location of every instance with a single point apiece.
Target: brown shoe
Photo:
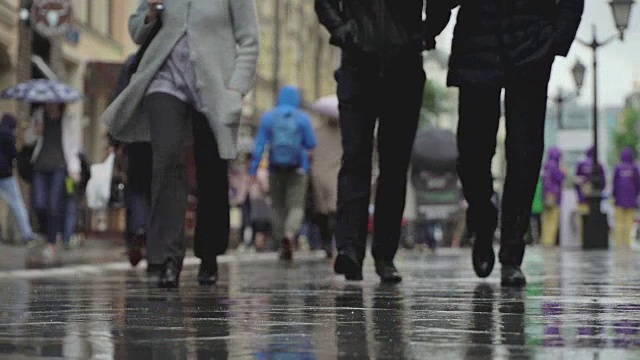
(286, 250)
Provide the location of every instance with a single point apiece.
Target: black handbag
(131, 67)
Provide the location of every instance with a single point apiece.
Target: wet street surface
(578, 305)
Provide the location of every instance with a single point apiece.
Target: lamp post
(560, 99)
(595, 228)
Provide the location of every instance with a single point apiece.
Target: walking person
(380, 81)
(324, 178)
(626, 188)
(508, 45)
(193, 76)
(9, 189)
(58, 140)
(553, 179)
(288, 133)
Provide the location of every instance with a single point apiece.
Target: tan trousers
(550, 226)
(583, 209)
(624, 219)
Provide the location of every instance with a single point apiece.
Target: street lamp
(560, 99)
(595, 228)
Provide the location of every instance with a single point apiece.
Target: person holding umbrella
(56, 137)
(508, 45)
(58, 141)
(193, 76)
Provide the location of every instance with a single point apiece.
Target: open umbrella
(42, 91)
(435, 150)
(327, 106)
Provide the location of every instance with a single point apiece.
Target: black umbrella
(435, 150)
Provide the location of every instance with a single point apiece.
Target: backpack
(286, 141)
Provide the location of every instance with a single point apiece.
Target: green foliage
(627, 133)
(434, 103)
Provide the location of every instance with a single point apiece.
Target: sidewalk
(93, 251)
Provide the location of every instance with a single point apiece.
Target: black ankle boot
(388, 272)
(208, 273)
(512, 276)
(170, 276)
(347, 264)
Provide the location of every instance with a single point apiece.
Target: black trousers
(391, 99)
(480, 110)
(166, 238)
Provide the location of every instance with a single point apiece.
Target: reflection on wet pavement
(579, 305)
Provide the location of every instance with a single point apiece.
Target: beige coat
(325, 167)
(223, 35)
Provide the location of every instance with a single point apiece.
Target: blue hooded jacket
(289, 100)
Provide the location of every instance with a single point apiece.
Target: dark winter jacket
(626, 181)
(497, 39)
(8, 150)
(382, 27)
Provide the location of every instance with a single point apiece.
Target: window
(94, 13)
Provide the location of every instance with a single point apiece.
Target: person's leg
(278, 183)
(10, 191)
(56, 198)
(39, 199)
(357, 91)
(211, 236)
(479, 117)
(526, 106)
(396, 133)
(70, 219)
(295, 201)
(550, 226)
(166, 243)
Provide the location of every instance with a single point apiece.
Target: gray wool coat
(223, 36)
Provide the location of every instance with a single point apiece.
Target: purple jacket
(583, 175)
(553, 176)
(626, 181)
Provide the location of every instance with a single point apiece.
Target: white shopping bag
(99, 186)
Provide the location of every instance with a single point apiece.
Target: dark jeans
(166, 238)
(392, 99)
(480, 109)
(138, 189)
(48, 201)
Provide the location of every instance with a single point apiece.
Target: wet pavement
(578, 305)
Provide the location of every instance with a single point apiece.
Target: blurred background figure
(261, 212)
(535, 229)
(288, 133)
(324, 177)
(9, 189)
(583, 186)
(58, 141)
(626, 188)
(552, 179)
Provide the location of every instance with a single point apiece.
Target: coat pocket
(233, 108)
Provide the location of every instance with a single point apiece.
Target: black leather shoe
(347, 265)
(388, 272)
(483, 260)
(153, 274)
(135, 248)
(208, 273)
(512, 276)
(170, 276)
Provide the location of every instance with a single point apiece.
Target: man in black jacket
(511, 45)
(381, 77)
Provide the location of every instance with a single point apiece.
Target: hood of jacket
(590, 153)
(555, 154)
(290, 97)
(8, 123)
(627, 155)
